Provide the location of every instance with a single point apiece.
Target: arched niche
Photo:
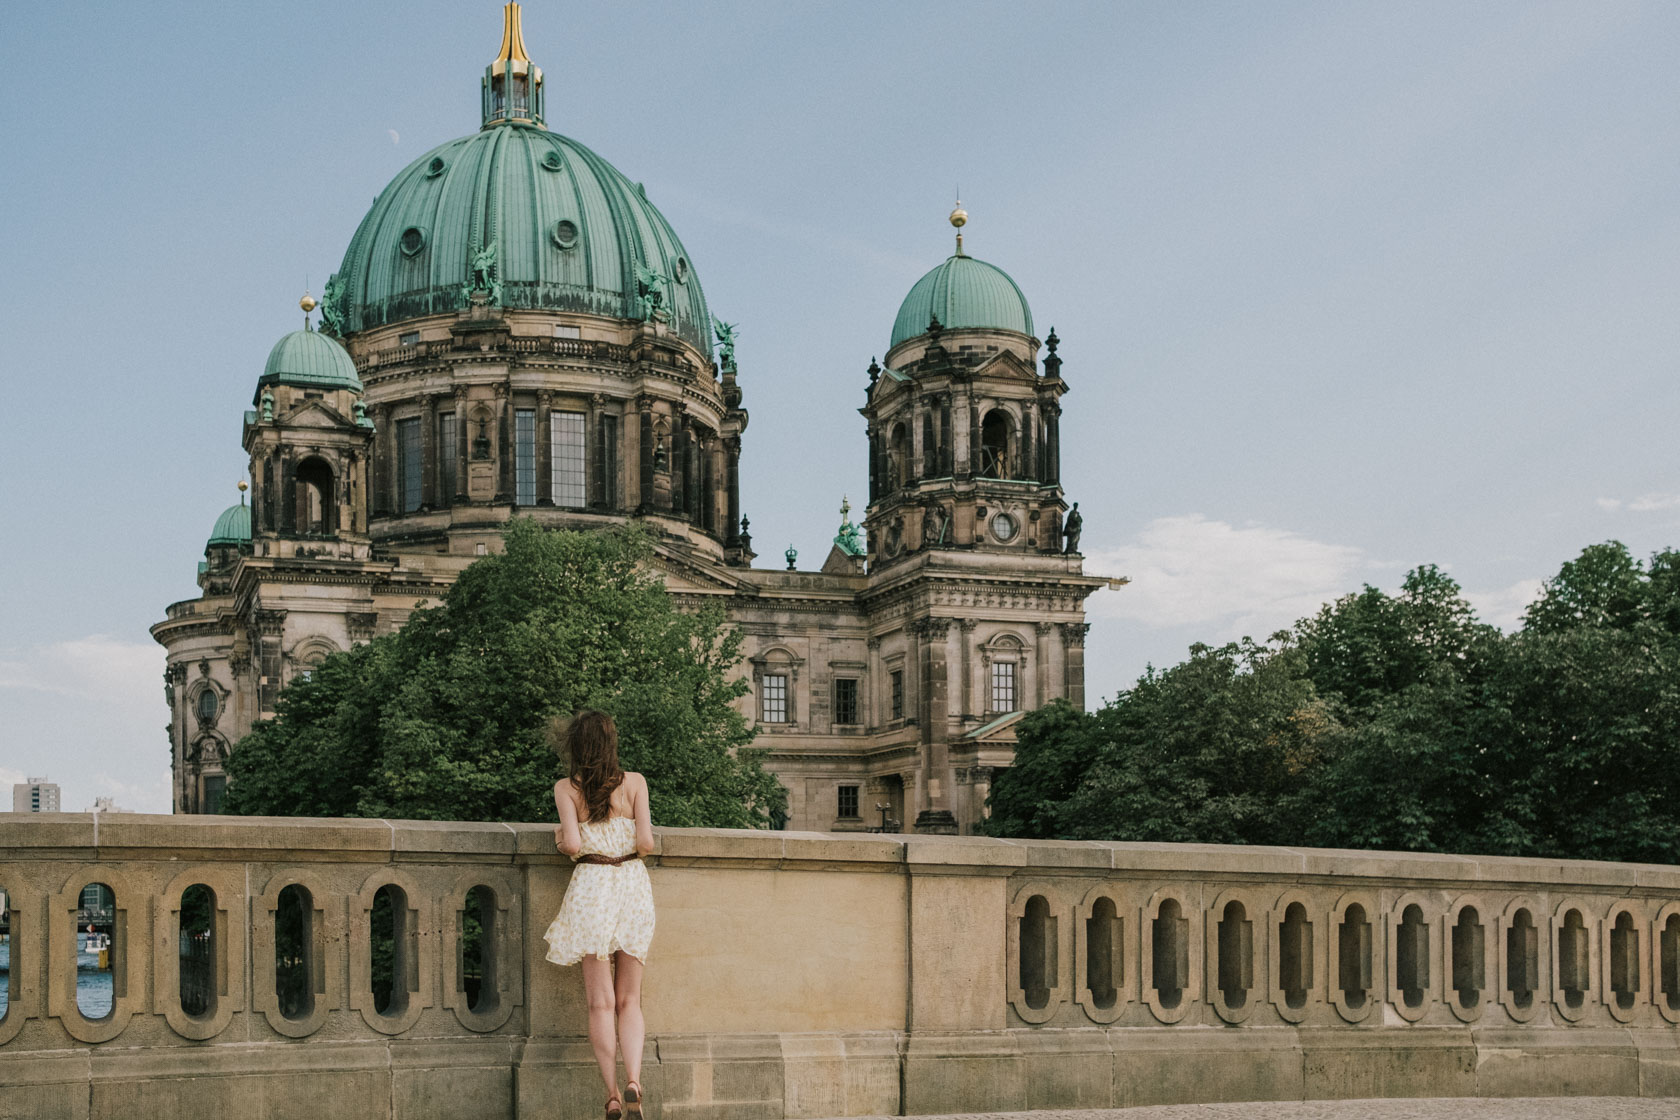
(228, 939)
(1353, 944)
(1170, 975)
(415, 961)
(322, 949)
(1414, 955)
(1234, 942)
(315, 497)
(1520, 946)
(1624, 950)
(504, 945)
(29, 947)
(1466, 980)
(1104, 953)
(1665, 961)
(1575, 959)
(1039, 964)
(129, 938)
(1296, 958)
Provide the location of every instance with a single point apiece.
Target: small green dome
(232, 527)
(963, 292)
(567, 231)
(310, 358)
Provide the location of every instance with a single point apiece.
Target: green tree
(447, 718)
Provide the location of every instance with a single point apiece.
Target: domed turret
(962, 293)
(233, 527)
(532, 219)
(308, 358)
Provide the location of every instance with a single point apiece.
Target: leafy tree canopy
(1392, 721)
(446, 719)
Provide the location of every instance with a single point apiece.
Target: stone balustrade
(360, 968)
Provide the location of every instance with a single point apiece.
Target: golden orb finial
(959, 218)
(307, 303)
(243, 486)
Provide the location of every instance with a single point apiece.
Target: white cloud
(1234, 580)
(88, 713)
(1646, 503)
(1504, 607)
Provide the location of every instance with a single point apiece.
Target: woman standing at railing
(606, 920)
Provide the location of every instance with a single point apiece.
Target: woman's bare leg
(598, 992)
(628, 990)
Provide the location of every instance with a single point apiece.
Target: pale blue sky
(1343, 288)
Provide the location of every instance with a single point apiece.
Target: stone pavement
(1438, 1108)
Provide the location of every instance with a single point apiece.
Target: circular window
(680, 270)
(435, 168)
(1004, 527)
(209, 704)
(565, 234)
(413, 240)
(551, 161)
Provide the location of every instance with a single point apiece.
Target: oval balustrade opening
(1624, 961)
(294, 949)
(1102, 954)
(478, 957)
(1522, 959)
(1295, 946)
(1411, 956)
(1353, 957)
(1038, 952)
(388, 947)
(1468, 968)
(196, 944)
(1236, 955)
(97, 952)
(1573, 960)
(1170, 953)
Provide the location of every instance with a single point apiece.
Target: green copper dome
(963, 292)
(232, 527)
(533, 218)
(310, 358)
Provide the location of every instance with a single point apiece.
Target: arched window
(209, 705)
(898, 460)
(315, 506)
(995, 439)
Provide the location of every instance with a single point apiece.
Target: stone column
(965, 633)
(288, 493)
(1053, 450)
(644, 491)
(1073, 670)
(504, 443)
(431, 494)
(460, 448)
(545, 448)
(1041, 664)
(870, 686)
(933, 707)
(383, 454)
(1029, 464)
(732, 455)
(595, 445)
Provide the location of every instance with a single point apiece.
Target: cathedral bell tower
(976, 587)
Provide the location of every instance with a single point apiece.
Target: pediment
(999, 730)
(685, 573)
(315, 414)
(1004, 364)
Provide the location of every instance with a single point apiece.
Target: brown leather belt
(609, 861)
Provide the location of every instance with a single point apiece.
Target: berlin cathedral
(516, 331)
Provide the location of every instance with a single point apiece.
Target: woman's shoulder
(634, 778)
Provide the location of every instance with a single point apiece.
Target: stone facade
(803, 975)
(886, 679)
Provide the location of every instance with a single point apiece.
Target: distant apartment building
(37, 795)
(106, 805)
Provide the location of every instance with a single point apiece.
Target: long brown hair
(592, 744)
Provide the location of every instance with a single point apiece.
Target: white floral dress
(608, 907)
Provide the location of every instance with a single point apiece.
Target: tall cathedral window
(525, 456)
(606, 461)
(845, 700)
(773, 698)
(408, 464)
(566, 442)
(994, 445)
(898, 694)
(446, 457)
(1003, 686)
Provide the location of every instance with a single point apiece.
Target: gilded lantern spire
(512, 91)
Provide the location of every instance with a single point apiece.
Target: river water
(93, 984)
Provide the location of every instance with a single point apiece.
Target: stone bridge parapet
(364, 968)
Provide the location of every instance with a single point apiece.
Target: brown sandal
(633, 1099)
(614, 1110)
